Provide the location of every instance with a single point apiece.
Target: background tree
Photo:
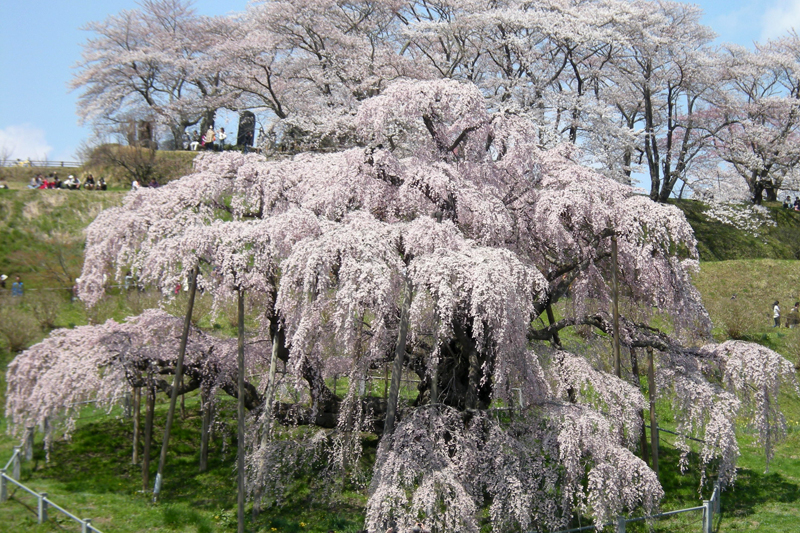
(759, 108)
(147, 64)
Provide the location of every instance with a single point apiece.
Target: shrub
(46, 306)
(18, 327)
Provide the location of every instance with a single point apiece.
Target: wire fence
(10, 476)
(27, 163)
(709, 509)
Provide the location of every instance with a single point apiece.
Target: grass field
(92, 475)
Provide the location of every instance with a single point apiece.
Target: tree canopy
(637, 85)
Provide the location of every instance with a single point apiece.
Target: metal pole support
(15, 468)
(621, 522)
(42, 508)
(86, 525)
(3, 486)
(708, 516)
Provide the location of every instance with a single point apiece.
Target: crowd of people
(17, 288)
(52, 181)
(788, 204)
(210, 140)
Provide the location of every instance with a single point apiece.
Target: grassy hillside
(92, 475)
(719, 241)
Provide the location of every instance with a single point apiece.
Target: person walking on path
(776, 314)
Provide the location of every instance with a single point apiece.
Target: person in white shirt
(221, 136)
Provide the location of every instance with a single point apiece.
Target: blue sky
(40, 41)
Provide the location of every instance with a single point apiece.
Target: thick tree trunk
(240, 413)
(175, 384)
(150, 408)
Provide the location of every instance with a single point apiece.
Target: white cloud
(24, 141)
(783, 16)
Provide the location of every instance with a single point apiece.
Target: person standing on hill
(210, 138)
(776, 314)
(221, 138)
(16, 288)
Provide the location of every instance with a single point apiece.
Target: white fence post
(15, 468)
(708, 516)
(43, 508)
(86, 525)
(3, 486)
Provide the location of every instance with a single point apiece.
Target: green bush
(18, 327)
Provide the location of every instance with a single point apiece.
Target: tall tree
(148, 64)
(760, 109)
(488, 231)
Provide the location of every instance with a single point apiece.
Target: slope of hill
(744, 232)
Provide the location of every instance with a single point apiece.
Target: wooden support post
(399, 356)
(126, 405)
(137, 418)
(240, 411)
(208, 414)
(175, 385)
(29, 433)
(643, 435)
(651, 386)
(615, 306)
(150, 407)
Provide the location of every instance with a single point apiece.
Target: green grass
(92, 477)
(722, 242)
